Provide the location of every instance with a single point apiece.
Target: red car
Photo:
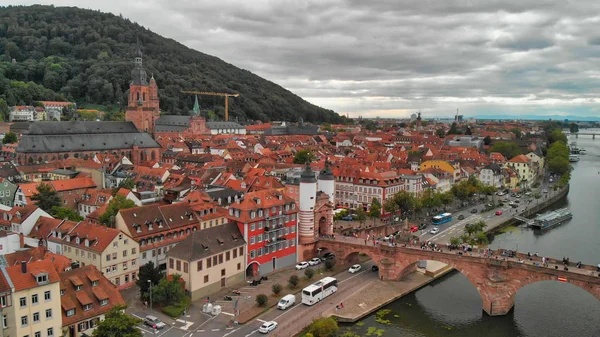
(498, 212)
(414, 229)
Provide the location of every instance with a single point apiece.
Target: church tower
(306, 216)
(143, 103)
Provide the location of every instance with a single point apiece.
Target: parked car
(461, 217)
(423, 226)
(474, 210)
(354, 268)
(154, 322)
(347, 218)
(374, 268)
(545, 191)
(302, 265)
(414, 229)
(517, 201)
(434, 230)
(267, 327)
(527, 193)
(328, 256)
(314, 261)
(498, 212)
(500, 193)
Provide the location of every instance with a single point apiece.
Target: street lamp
(150, 283)
(319, 255)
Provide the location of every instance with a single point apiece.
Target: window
(4, 321)
(241, 251)
(24, 321)
(178, 263)
(114, 256)
(222, 272)
(107, 257)
(252, 226)
(103, 302)
(259, 252)
(199, 265)
(239, 266)
(125, 265)
(47, 296)
(42, 279)
(87, 307)
(50, 332)
(4, 301)
(259, 238)
(235, 253)
(124, 253)
(115, 244)
(227, 256)
(34, 299)
(185, 267)
(252, 254)
(220, 258)
(114, 268)
(215, 261)
(48, 313)
(252, 240)
(208, 263)
(133, 251)
(205, 278)
(36, 317)
(38, 334)
(23, 302)
(171, 263)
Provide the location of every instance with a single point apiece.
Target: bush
(329, 264)
(262, 300)
(323, 327)
(176, 310)
(276, 288)
(293, 281)
(309, 273)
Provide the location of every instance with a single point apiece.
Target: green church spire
(196, 108)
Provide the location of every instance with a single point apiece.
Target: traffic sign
(562, 279)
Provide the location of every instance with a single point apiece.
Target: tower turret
(306, 216)
(327, 183)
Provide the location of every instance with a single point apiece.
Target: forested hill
(87, 56)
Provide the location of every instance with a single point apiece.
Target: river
(451, 305)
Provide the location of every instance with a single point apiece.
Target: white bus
(319, 290)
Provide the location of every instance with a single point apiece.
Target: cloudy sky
(391, 58)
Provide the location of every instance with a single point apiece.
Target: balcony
(270, 242)
(271, 228)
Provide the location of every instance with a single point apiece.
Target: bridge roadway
(496, 277)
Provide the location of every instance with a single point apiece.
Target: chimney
(24, 267)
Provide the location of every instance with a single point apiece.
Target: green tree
(573, 128)
(446, 198)
(455, 241)
(276, 288)
(293, 281)
(468, 131)
(487, 140)
(117, 203)
(431, 199)
(168, 292)
(517, 132)
(117, 323)
(125, 183)
(329, 264)
(65, 213)
(323, 327)
(148, 272)
(303, 156)
(559, 165)
(4, 109)
(361, 215)
(375, 209)
(309, 273)
(261, 300)
(507, 149)
(46, 197)
(557, 136)
(453, 130)
(10, 138)
(440, 133)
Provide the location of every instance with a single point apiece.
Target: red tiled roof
(72, 184)
(22, 281)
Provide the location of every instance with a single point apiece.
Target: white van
(286, 302)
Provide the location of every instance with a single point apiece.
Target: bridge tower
(306, 215)
(326, 182)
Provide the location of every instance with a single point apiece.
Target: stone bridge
(497, 279)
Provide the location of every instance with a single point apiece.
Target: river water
(451, 305)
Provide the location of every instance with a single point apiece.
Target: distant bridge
(577, 134)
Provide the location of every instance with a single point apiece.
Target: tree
(453, 130)
(390, 206)
(148, 272)
(446, 198)
(507, 149)
(303, 156)
(4, 109)
(517, 132)
(440, 133)
(431, 199)
(309, 273)
(117, 323)
(261, 300)
(65, 213)
(455, 241)
(573, 128)
(329, 264)
(168, 291)
(487, 140)
(559, 165)
(10, 138)
(323, 327)
(276, 288)
(361, 215)
(125, 183)
(375, 209)
(468, 131)
(117, 203)
(557, 136)
(46, 197)
(293, 281)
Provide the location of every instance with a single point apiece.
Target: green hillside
(53, 53)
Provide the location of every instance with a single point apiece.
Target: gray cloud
(389, 57)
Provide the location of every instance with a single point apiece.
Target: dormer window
(87, 307)
(68, 238)
(103, 302)
(94, 283)
(62, 292)
(42, 278)
(78, 288)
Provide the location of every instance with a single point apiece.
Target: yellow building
(36, 305)
(452, 168)
(209, 260)
(113, 252)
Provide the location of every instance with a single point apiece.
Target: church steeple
(138, 74)
(196, 108)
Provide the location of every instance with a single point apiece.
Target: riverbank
(377, 294)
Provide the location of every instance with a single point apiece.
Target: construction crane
(206, 93)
